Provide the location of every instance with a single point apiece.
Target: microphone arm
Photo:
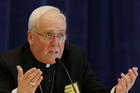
(59, 61)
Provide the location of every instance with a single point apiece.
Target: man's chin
(52, 62)
(49, 62)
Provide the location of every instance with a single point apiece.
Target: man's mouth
(53, 52)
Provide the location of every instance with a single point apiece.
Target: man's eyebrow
(62, 30)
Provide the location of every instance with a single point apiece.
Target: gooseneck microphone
(59, 61)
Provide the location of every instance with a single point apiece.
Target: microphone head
(57, 60)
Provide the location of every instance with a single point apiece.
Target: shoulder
(16, 50)
(74, 54)
(13, 55)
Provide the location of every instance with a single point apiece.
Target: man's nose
(54, 40)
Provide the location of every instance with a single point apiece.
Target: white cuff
(113, 89)
(14, 91)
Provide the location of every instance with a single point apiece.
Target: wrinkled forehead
(52, 16)
(52, 21)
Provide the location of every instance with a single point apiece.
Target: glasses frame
(51, 37)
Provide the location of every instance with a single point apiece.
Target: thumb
(20, 72)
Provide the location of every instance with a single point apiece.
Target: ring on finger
(32, 83)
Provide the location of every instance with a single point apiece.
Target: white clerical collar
(48, 65)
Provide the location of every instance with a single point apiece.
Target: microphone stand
(58, 61)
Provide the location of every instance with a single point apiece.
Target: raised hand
(28, 82)
(126, 82)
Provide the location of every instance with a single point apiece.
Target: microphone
(59, 61)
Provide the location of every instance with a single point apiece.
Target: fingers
(28, 82)
(121, 83)
(20, 72)
(33, 77)
(132, 75)
(38, 81)
(135, 70)
(126, 80)
(29, 72)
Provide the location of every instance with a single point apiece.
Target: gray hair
(35, 15)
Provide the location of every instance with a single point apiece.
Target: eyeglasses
(49, 36)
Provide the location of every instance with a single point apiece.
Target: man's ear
(29, 36)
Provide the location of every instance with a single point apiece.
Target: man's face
(46, 43)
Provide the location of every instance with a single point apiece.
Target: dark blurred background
(108, 30)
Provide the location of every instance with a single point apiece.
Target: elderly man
(37, 70)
